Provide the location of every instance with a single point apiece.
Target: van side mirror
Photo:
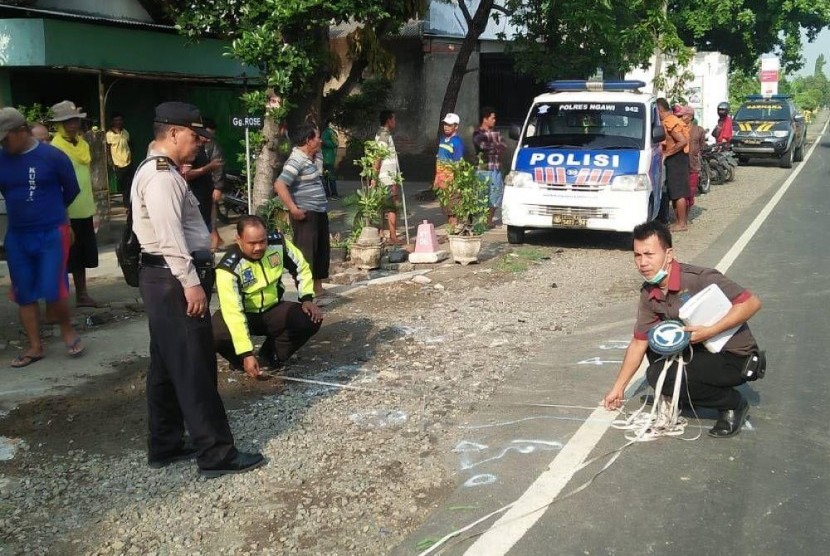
(799, 117)
(658, 134)
(515, 132)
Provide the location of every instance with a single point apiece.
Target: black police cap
(183, 114)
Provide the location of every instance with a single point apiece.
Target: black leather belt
(156, 261)
(201, 259)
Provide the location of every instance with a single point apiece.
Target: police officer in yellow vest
(248, 281)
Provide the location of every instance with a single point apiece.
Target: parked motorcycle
(234, 201)
(718, 165)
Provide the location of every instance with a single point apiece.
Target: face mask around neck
(661, 274)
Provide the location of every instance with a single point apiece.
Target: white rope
(664, 418)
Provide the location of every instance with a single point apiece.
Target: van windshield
(608, 125)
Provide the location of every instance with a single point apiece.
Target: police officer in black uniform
(175, 280)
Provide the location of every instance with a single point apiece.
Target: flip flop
(24, 360)
(75, 349)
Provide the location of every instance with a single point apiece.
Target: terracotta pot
(465, 249)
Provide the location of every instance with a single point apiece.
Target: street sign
(247, 121)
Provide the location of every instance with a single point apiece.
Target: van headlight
(639, 182)
(518, 179)
(780, 133)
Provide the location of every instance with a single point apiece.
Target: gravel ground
(350, 471)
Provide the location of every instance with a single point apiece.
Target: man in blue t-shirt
(38, 184)
(450, 150)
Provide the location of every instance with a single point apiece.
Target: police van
(588, 157)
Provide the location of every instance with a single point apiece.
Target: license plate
(752, 141)
(569, 221)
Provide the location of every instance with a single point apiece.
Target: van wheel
(515, 235)
(743, 160)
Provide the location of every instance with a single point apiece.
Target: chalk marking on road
(533, 503)
(519, 446)
(597, 361)
(480, 480)
(615, 344)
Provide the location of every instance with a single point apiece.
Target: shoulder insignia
(229, 261)
(275, 238)
(162, 164)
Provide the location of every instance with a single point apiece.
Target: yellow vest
(248, 286)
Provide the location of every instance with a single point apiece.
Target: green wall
(52, 42)
(136, 99)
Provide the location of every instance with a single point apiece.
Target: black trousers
(181, 382)
(311, 236)
(711, 378)
(286, 328)
(124, 178)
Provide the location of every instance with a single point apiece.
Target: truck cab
(589, 156)
(769, 127)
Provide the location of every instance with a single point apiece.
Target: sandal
(75, 349)
(24, 360)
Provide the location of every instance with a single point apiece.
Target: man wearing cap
(450, 150)
(84, 251)
(175, 280)
(38, 184)
(710, 378)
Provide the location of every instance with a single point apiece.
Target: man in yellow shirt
(84, 251)
(120, 156)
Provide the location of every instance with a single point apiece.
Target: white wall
(119, 9)
(708, 88)
(445, 18)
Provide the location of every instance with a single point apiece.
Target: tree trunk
(475, 27)
(270, 158)
(266, 165)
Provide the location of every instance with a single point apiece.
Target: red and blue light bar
(584, 85)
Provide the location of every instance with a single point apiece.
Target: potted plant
(465, 197)
(369, 204)
(339, 247)
(276, 217)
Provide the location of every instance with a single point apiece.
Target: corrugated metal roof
(410, 29)
(88, 18)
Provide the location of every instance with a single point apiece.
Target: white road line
(512, 526)
(739, 246)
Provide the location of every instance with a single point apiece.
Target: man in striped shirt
(300, 187)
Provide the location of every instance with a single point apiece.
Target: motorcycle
(234, 201)
(718, 165)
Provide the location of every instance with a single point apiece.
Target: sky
(811, 51)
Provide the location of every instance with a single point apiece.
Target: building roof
(17, 11)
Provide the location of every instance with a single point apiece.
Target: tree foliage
(287, 40)
(573, 38)
(810, 92)
(745, 29)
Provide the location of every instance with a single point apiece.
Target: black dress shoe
(163, 460)
(241, 463)
(729, 422)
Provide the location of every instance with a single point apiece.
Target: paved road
(763, 492)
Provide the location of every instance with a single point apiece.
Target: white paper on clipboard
(706, 308)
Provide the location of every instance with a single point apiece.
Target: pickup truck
(769, 127)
